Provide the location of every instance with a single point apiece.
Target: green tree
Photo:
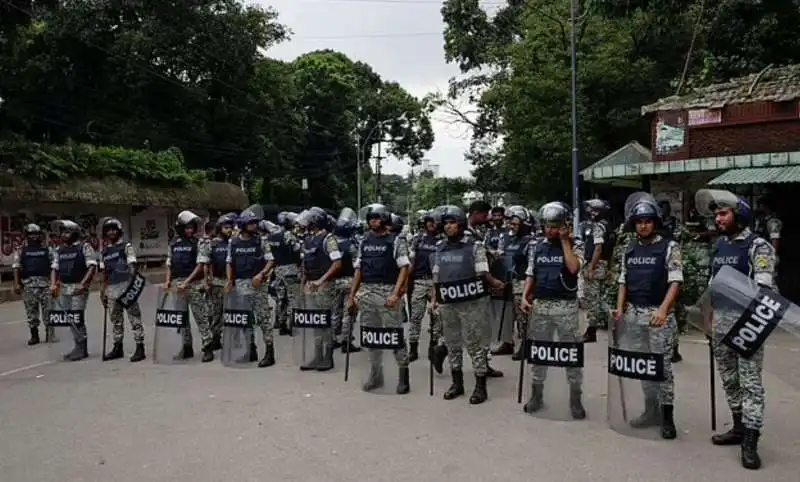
(430, 191)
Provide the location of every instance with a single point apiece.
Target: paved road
(123, 422)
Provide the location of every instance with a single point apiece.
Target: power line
(370, 35)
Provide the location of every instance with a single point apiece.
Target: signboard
(150, 233)
(701, 117)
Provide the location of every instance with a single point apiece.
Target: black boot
(668, 430)
(576, 403)
(457, 388)
(505, 348)
(492, 373)
(732, 436)
(591, 335)
(479, 394)
(253, 353)
(78, 353)
(375, 378)
(314, 363)
(326, 362)
(115, 353)
(138, 354)
(413, 351)
(750, 458)
(187, 352)
(34, 340)
(651, 417)
(352, 348)
(439, 356)
(216, 342)
(404, 385)
(676, 355)
(269, 357)
(208, 353)
(535, 402)
(283, 329)
(517, 356)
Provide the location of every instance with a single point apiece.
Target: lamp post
(360, 145)
(575, 178)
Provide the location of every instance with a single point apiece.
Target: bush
(47, 162)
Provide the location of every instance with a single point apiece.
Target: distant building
(426, 166)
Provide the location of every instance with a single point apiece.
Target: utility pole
(575, 178)
(378, 159)
(359, 149)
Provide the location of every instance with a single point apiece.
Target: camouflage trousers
(37, 301)
(321, 299)
(215, 306)
(418, 306)
(637, 335)
(594, 302)
(741, 380)
(555, 320)
(371, 299)
(68, 300)
(288, 288)
(199, 306)
(259, 300)
(117, 319)
(467, 323)
(341, 320)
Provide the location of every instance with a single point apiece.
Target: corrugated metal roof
(760, 175)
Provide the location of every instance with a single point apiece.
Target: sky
(400, 39)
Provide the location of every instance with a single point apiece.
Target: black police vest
(553, 279)
(515, 255)
(35, 261)
(247, 257)
(71, 264)
(646, 273)
(425, 246)
(347, 269)
(316, 262)
(116, 264)
(219, 257)
(378, 265)
(493, 238)
(283, 253)
(184, 257)
(735, 254)
(607, 250)
(457, 280)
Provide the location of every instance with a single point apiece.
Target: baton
(433, 343)
(526, 350)
(614, 336)
(712, 385)
(105, 332)
(506, 295)
(348, 342)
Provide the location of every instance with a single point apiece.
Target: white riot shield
(382, 335)
(748, 320)
(312, 328)
(635, 380)
(67, 316)
(555, 354)
(172, 318)
(240, 346)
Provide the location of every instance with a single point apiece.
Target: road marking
(27, 367)
(17, 322)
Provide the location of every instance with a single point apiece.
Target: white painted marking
(27, 367)
(7, 323)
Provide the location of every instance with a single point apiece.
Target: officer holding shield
(286, 249)
(343, 321)
(187, 254)
(33, 274)
(461, 283)
(651, 273)
(216, 275)
(552, 279)
(118, 262)
(422, 245)
(76, 263)
(380, 279)
(744, 251)
(249, 262)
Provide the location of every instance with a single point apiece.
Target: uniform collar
(742, 235)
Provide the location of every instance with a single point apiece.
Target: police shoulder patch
(761, 262)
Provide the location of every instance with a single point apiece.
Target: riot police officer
(33, 273)
(598, 253)
(497, 226)
(286, 249)
(422, 245)
(187, 255)
(118, 262)
(348, 247)
(461, 283)
(216, 275)
(651, 273)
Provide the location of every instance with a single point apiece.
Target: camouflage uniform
(624, 238)
(641, 337)
(594, 290)
(217, 293)
(113, 292)
(258, 298)
(340, 290)
(67, 291)
(696, 271)
(198, 302)
(36, 296)
(420, 298)
(288, 278)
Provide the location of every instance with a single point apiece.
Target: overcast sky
(400, 39)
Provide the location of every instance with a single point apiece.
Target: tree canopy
(194, 79)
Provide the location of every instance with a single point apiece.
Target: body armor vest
(184, 257)
(646, 273)
(247, 257)
(35, 261)
(71, 264)
(116, 264)
(378, 265)
(553, 279)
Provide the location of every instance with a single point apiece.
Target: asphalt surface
(123, 422)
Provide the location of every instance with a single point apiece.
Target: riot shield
(635, 380)
(382, 335)
(502, 307)
(748, 319)
(132, 291)
(555, 352)
(312, 330)
(67, 316)
(172, 317)
(239, 344)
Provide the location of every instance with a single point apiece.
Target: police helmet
(66, 226)
(518, 212)
(229, 218)
(315, 216)
(555, 213)
(186, 218)
(32, 229)
(109, 223)
(375, 211)
(644, 210)
(249, 216)
(708, 201)
(454, 213)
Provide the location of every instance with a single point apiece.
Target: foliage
(430, 191)
(46, 162)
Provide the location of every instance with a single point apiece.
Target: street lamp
(360, 145)
(575, 179)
